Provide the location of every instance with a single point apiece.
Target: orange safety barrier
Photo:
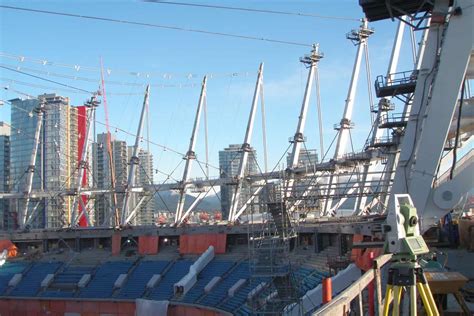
(9, 246)
(197, 244)
(148, 245)
(364, 258)
(327, 290)
(116, 244)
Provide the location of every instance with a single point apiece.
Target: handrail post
(378, 287)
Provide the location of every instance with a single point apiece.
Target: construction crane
(109, 146)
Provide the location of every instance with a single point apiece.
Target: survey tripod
(405, 275)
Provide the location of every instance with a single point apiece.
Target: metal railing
(341, 304)
(395, 119)
(396, 83)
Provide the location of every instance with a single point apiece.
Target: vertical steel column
(206, 139)
(392, 161)
(134, 160)
(312, 61)
(264, 130)
(434, 109)
(320, 115)
(246, 147)
(190, 155)
(378, 132)
(358, 37)
(361, 38)
(31, 167)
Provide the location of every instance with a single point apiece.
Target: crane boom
(109, 146)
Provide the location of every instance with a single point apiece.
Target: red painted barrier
(116, 244)
(198, 243)
(190, 311)
(148, 245)
(36, 307)
(327, 290)
(362, 257)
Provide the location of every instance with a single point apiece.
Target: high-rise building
(57, 156)
(307, 158)
(104, 205)
(5, 219)
(143, 177)
(229, 161)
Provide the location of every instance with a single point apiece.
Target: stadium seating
(135, 285)
(102, 283)
(240, 297)
(214, 268)
(8, 270)
(64, 284)
(164, 289)
(219, 293)
(31, 282)
(308, 279)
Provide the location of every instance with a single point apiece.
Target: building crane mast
(109, 148)
(83, 164)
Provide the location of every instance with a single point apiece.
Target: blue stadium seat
(8, 270)
(164, 290)
(135, 285)
(66, 279)
(31, 282)
(240, 296)
(102, 283)
(213, 269)
(219, 293)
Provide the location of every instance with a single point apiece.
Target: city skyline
(231, 75)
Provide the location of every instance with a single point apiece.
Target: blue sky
(175, 55)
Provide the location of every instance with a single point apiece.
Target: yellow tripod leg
(388, 297)
(426, 303)
(413, 300)
(431, 300)
(397, 295)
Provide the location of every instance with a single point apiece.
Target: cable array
(97, 81)
(116, 71)
(300, 14)
(161, 26)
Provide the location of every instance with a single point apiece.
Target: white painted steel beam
(190, 155)
(31, 168)
(134, 161)
(246, 148)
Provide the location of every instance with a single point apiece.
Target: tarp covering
(314, 298)
(151, 308)
(148, 245)
(6, 244)
(188, 281)
(198, 243)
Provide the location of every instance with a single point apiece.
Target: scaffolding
(270, 246)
